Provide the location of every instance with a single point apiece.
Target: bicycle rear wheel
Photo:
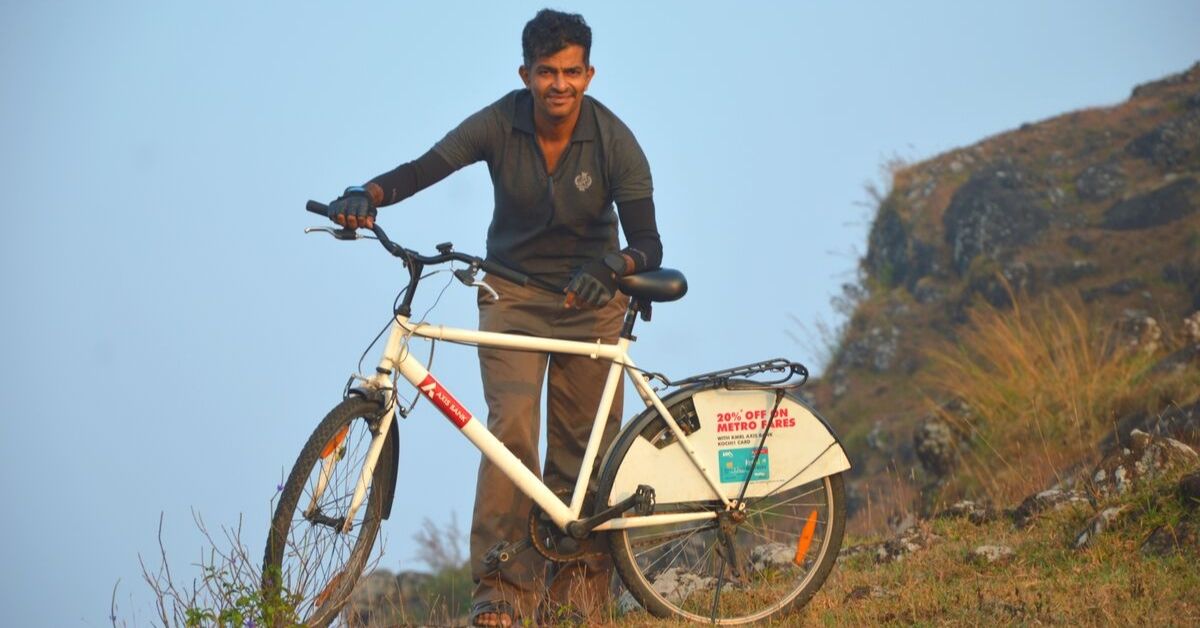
(769, 560)
(312, 562)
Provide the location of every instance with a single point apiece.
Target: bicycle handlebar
(409, 255)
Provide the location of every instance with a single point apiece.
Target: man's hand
(353, 209)
(595, 283)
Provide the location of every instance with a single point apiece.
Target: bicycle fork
(331, 456)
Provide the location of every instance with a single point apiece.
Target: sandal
(501, 613)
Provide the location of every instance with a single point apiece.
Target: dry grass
(1042, 383)
(1111, 583)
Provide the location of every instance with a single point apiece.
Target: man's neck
(555, 129)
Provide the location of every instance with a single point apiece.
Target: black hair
(550, 31)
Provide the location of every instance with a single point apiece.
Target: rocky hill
(1096, 210)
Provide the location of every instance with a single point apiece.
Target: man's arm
(467, 143)
(596, 281)
(644, 250)
(409, 178)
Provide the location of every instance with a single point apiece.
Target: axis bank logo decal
(444, 401)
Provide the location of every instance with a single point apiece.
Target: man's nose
(560, 81)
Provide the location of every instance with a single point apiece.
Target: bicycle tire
(680, 570)
(310, 567)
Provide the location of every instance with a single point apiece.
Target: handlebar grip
(493, 268)
(317, 208)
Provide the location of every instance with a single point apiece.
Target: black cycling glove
(595, 283)
(353, 209)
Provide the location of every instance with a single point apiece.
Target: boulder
(927, 291)
(1081, 244)
(1052, 500)
(993, 214)
(1167, 540)
(912, 540)
(862, 592)
(1189, 490)
(972, 511)
(1174, 144)
(1099, 182)
(1102, 521)
(676, 585)
(1014, 278)
(1177, 361)
(771, 555)
(1118, 288)
(1181, 423)
(1137, 331)
(382, 594)
(894, 257)
(988, 554)
(1072, 271)
(887, 247)
(936, 446)
(1191, 328)
(1158, 207)
(1146, 458)
(875, 348)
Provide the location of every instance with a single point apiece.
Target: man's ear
(523, 72)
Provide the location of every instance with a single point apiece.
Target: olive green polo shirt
(549, 225)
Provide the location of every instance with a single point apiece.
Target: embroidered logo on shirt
(583, 181)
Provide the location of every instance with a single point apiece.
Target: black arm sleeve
(412, 177)
(641, 233)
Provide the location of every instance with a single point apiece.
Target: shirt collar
(585, 127)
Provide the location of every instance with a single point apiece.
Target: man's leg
(576, 384)
(512, 384)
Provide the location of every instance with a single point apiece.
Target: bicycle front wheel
(313, 558)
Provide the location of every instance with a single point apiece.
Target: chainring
(551, 542)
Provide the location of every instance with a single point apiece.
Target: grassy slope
(1111, 582)
(892, 402)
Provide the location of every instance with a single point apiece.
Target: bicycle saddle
(664, 284)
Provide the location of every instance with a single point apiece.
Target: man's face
(557, 82)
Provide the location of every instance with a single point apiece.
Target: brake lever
(467, 277)
(340, 234)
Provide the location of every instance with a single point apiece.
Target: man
(559, 160)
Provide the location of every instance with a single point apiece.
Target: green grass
(1047, 582)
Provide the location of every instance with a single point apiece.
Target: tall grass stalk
(1042, 383)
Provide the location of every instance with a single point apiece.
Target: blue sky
(170, 336)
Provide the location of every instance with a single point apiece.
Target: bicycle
(723, 501)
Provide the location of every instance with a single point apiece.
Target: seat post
(631, 314)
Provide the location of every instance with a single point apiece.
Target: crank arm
(642, 499)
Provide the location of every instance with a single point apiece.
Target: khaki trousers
(512, 385)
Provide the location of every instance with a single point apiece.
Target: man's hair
(550, 31)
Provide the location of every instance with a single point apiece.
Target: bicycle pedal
(502, 552)
(644, 500)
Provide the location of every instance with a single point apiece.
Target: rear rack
(794, 375)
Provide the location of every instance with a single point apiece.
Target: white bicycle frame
(397, 358)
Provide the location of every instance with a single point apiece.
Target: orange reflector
(805, 539)
(335, 442)
(328, 590)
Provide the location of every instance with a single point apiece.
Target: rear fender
(800, 447)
